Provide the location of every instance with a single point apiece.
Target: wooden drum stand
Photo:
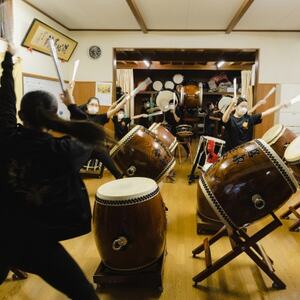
(240, 242)
(293, 210)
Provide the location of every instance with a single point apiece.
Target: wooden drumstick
(142, 86)
(294, 100)
(271, 92)
(75, 69)
(234, 87)
(56, 64)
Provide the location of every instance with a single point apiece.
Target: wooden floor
(240, 279)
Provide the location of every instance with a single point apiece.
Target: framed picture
(104, 93)
(37, 37)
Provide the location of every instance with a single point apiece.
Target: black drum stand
(293, 210)
(240, 242)
(151, 276)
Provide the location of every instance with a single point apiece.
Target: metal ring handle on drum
(131, 171)
(258, 201)
(119, 243)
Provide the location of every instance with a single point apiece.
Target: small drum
(279, 137)
(141, 153)
(292, 157)
(129, 223)
(157, 85)
(247, 183)
(169, 85)
(192, 96)
(178, 78)
(164, 135)
(183, 128)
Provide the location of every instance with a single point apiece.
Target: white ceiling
(173, 14)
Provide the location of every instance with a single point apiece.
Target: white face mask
(92, 110)
(120, 116)
(241, 110)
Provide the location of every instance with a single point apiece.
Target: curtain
(247, 90)
(125, 81)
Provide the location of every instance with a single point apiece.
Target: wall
(35, 62)
(279, 52)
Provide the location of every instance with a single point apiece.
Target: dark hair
(240, 100)
(39, 110)
(93, 98)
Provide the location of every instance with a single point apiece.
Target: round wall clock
(95, 52)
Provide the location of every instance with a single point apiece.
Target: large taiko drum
(192, 96)
(247, 183)
(292, 157)
(164, 135)
(141, 154)
(129, 223)
(279, 137)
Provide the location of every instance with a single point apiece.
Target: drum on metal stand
(292, 157)
(129, 223)
(140, 153)
(279, 137)
(240, 185)
(164, 135)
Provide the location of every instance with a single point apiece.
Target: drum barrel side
(144, 227)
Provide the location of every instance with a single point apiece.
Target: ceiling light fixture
(146, 62)
(220, 63)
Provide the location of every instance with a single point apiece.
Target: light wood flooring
(241, 279)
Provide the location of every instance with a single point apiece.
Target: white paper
(104, 93)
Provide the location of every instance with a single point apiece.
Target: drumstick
(295, 100)
(272, 90)
(234, 88)
(143, 85)
(200, 93)
(146, 115)
(76, 65)
(56, 63)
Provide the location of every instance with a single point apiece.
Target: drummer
(239, 123)
(121, 124)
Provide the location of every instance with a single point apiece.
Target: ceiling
(174, 15)
(199, 59)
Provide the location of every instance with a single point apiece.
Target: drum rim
(178, 74)
(125, 139)
(291, 161)
(153, 125)
(169, 82)
(275, 138)
(167, 169)
(162, 85)
(211, 138)
(277, 162)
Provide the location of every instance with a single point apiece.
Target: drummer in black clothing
(121, 123)
(239, 123)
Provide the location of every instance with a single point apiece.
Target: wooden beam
(180, 66)
(138, 16)
(239, 14)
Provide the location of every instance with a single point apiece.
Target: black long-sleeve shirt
(40, 185)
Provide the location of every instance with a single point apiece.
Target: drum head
(163, 99)
(224, 103)
(178, 78)
(126, 188)
(273, 134)
(169, 85)
(157, 85)
(292, 152)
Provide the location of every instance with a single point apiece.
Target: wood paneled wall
(268, 122)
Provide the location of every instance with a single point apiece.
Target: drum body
(279, 137)
(191, 97)
(164, 135)
(140, 153)
(129, 223)
(247, 184)
(292, 157)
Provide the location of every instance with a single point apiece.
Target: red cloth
(212, 156)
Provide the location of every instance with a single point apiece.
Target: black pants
(51, 262)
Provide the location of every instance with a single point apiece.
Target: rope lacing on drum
(277, 164)
(126, 202)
